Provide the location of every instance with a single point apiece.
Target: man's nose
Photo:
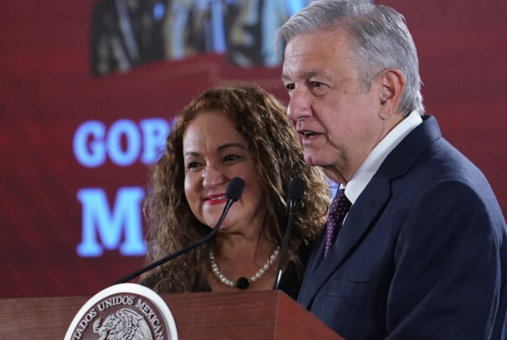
(300, 105)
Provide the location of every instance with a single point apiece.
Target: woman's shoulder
(161, 285)
(152, 280)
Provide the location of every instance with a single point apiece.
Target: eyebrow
(309, 74)
(220, 148)
(230, 145)
(191, 153)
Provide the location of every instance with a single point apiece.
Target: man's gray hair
(380, 40)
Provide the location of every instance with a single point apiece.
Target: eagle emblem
(125, 324)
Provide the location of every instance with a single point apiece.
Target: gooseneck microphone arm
(233, 193)
(296, 191)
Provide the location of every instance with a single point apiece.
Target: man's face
(335, 115)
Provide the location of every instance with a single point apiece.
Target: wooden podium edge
(295, 322)
(235, 315)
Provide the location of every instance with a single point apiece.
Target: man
(422, 252)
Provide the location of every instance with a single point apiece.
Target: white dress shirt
(365, 173)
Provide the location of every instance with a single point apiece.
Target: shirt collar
(365, 173)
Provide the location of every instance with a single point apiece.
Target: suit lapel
(359, 220)
(314, 260)
(369, 205)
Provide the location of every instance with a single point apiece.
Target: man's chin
(313, 159)
(309, 160)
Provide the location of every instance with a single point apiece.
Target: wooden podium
(237, 315)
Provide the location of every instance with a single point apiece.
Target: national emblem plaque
(126, 311)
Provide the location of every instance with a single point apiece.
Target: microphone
(296, 191)
(233, 193)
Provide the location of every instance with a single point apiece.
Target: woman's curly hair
(278, 158)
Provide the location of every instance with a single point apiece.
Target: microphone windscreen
(235, 188)
(297, 188)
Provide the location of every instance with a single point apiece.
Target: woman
(227, 133)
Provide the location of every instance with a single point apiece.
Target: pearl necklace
(242, 282)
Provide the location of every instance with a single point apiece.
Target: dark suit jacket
(421, 255)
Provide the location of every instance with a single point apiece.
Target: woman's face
(214, 153)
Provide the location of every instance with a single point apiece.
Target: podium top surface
(252, 315)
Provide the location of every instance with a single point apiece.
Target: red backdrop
(47, 93)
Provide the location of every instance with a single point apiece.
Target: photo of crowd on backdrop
(132, 32)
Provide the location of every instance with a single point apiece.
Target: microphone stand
(233, 193)
(295, 194)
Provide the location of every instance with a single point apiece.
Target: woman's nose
(213, 177)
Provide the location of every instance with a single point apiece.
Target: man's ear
(392, 84)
